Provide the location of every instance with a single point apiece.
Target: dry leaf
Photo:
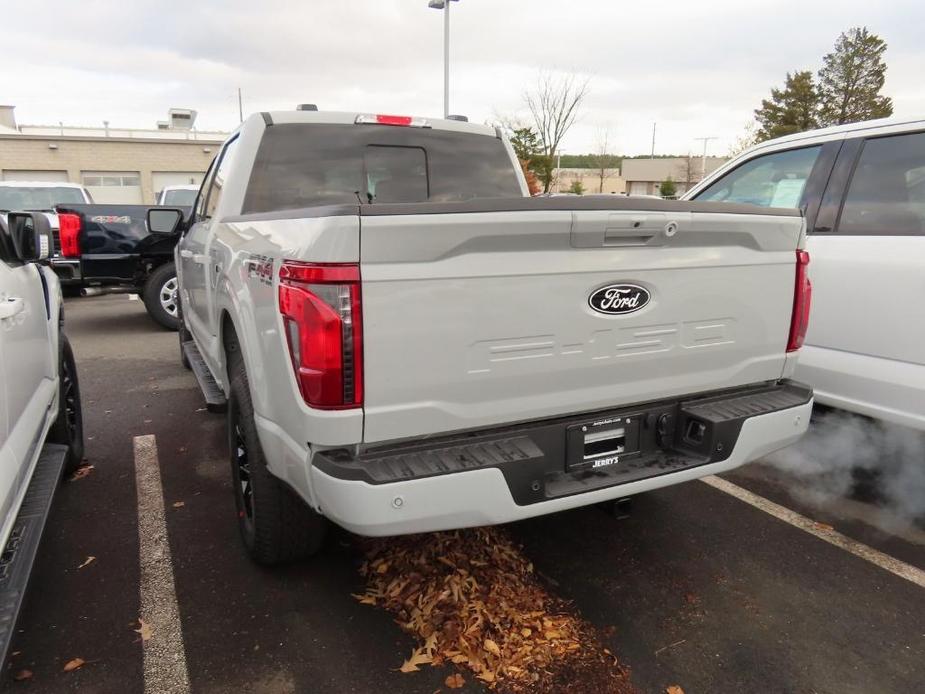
(144, 629)
(179, 504)
(674, 689)
(418, 657)
(825, 527)
(81, 472)
(487, 676)
(454, 681)
(491, 647)
(74, 664)
(88, 560)
(27, 675)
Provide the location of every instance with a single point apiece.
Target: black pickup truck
(116, 252)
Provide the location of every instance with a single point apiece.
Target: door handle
(627, 237)
(186, 254)
(10, 307)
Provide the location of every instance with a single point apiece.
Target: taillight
(802, 298)
(320, 305)
(69, 234)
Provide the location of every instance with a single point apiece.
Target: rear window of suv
(307, 164)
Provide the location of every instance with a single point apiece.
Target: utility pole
(652, 156)
(445, 6)
(703, 164)
(240, 107)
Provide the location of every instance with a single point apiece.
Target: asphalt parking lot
(697, 588)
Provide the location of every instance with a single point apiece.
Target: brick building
(116, 165)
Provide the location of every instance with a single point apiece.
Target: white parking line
(822, 531)
(164, 653)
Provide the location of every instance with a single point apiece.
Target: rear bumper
(68, 270)
(486, 478)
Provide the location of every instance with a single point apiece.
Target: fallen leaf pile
(472, 599)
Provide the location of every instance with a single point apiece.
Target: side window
(200, 204)
(886, 195)
(219, 178)
(773, 180)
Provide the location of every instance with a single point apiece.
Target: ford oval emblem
(615, 299)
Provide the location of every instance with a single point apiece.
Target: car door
(198, 268)
(27, 374)
(865, 341)
(188, 270)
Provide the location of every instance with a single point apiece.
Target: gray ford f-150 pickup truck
(405, 342)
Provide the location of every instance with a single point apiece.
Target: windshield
(38, 198)
(180, 198)
(305, 164)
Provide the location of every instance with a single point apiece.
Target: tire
(68, 428)
(276, 526)
(161, 296)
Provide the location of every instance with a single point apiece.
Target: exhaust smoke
(845, 455)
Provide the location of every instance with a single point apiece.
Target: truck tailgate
(475, 319)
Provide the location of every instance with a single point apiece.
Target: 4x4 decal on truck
(259, 267)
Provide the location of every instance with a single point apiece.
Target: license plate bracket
(602, 442)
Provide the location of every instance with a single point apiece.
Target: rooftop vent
(181, 118)
(8, 117)
(306, 107)
(454, 116)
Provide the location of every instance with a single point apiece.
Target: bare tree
(554, 104)
(747, 139)
(602, 159)
(689, 171)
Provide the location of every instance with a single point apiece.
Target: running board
(23, 544)
(215, 397)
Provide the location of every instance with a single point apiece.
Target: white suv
(41, 430)
(862, 189)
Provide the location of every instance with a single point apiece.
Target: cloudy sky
(696, 68)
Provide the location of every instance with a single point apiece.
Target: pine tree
(851, 79)
(792, 109)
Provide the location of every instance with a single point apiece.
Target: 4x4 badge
(615, 299)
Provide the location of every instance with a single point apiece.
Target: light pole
(558, 168)
(445, 6)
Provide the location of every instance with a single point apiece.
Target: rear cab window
(777, 179)
(307, 164)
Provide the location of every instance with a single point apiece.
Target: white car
(862, 189)
(44, 196)
(41, 426)
(177, 196)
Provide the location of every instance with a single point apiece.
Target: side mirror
(164, 220)
(31, 236)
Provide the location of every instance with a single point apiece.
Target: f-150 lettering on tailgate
(488, 355)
